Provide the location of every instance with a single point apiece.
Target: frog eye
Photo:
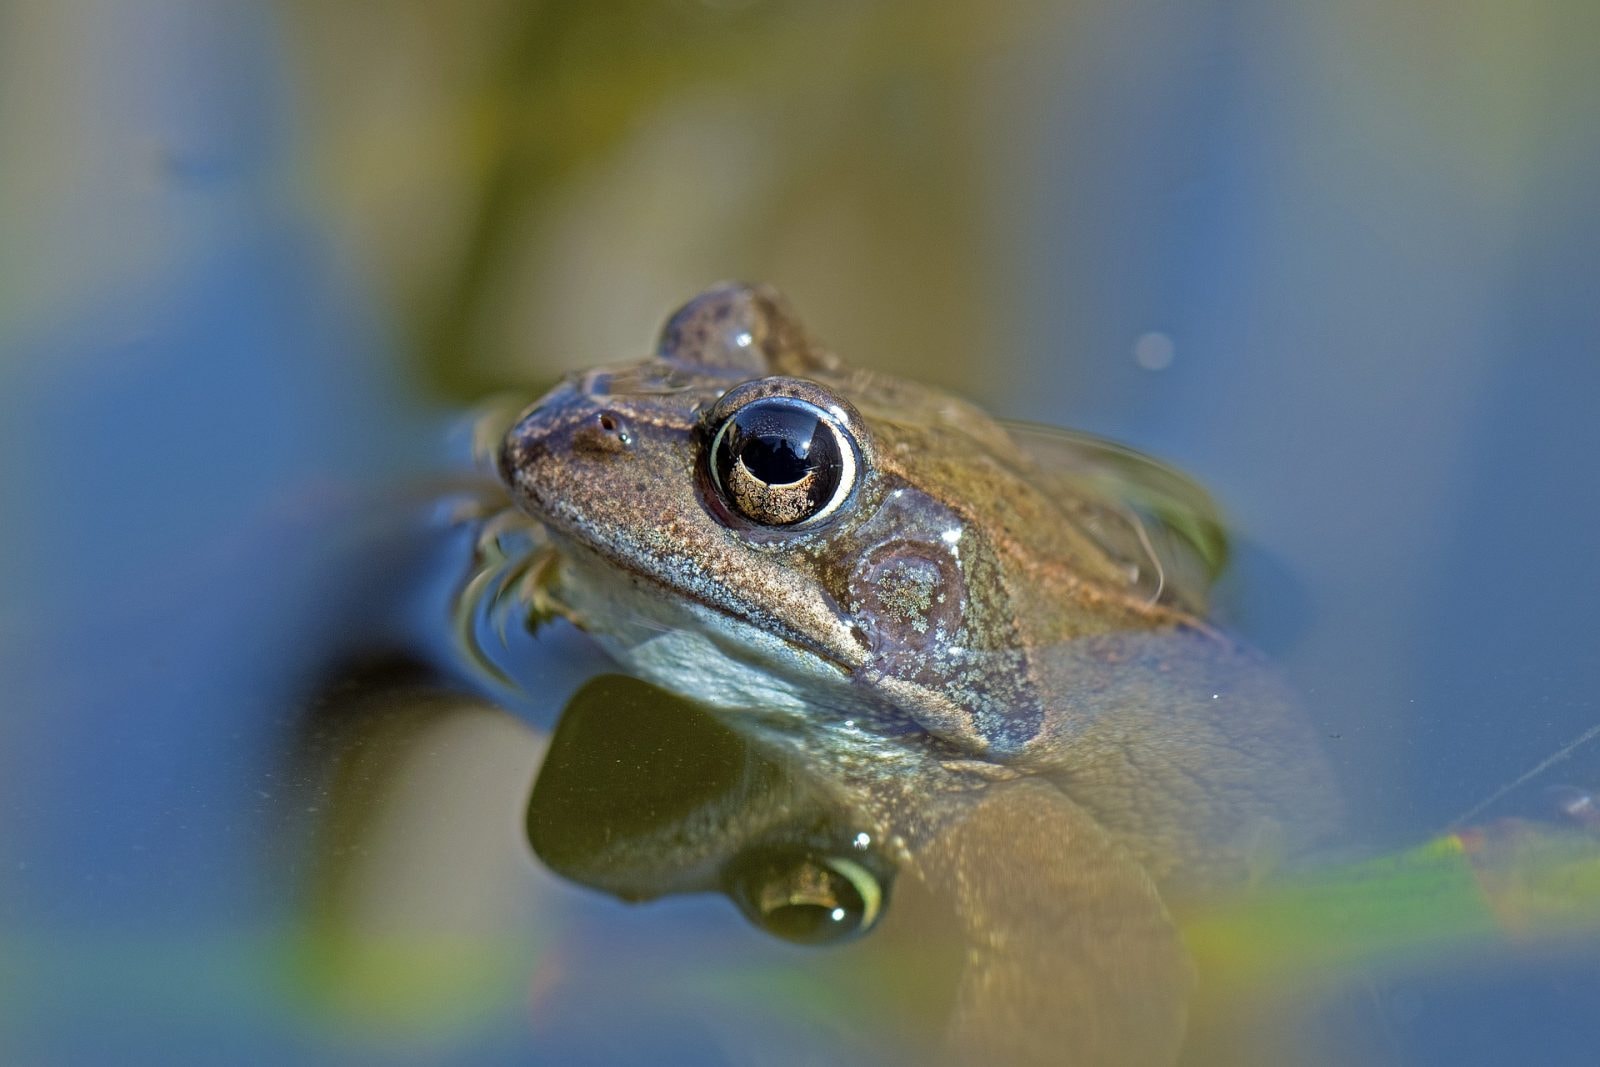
(783, 461)
(807, 898)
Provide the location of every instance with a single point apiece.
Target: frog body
(926, 599)
(987, 642)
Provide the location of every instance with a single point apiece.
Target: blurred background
(1341, 262)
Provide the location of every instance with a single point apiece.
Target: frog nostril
(617, 426)
(606, 432)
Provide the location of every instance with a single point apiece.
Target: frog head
(747, 521)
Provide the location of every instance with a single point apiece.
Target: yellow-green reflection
(572, 168)
(643, 794)
(419, 917)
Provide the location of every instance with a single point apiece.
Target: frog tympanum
(989, 639)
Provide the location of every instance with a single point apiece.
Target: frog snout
(554, 442)
(534, 446)
(523, 453)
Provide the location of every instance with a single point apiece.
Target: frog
(990, 639)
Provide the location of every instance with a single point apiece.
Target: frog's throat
(692, 644)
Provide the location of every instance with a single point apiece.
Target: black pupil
(779, 451)
(780, 442)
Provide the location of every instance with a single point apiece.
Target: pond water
(256, 807)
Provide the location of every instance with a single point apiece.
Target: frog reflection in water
(990, 640)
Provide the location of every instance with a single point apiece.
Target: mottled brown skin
(962, 647)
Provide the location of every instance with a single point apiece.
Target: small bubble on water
(1576, 805)
(1153, 351)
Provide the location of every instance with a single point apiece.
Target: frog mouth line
(574, 550)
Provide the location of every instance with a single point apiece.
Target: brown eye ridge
(780, 461)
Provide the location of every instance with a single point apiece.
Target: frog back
(1188, 747)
